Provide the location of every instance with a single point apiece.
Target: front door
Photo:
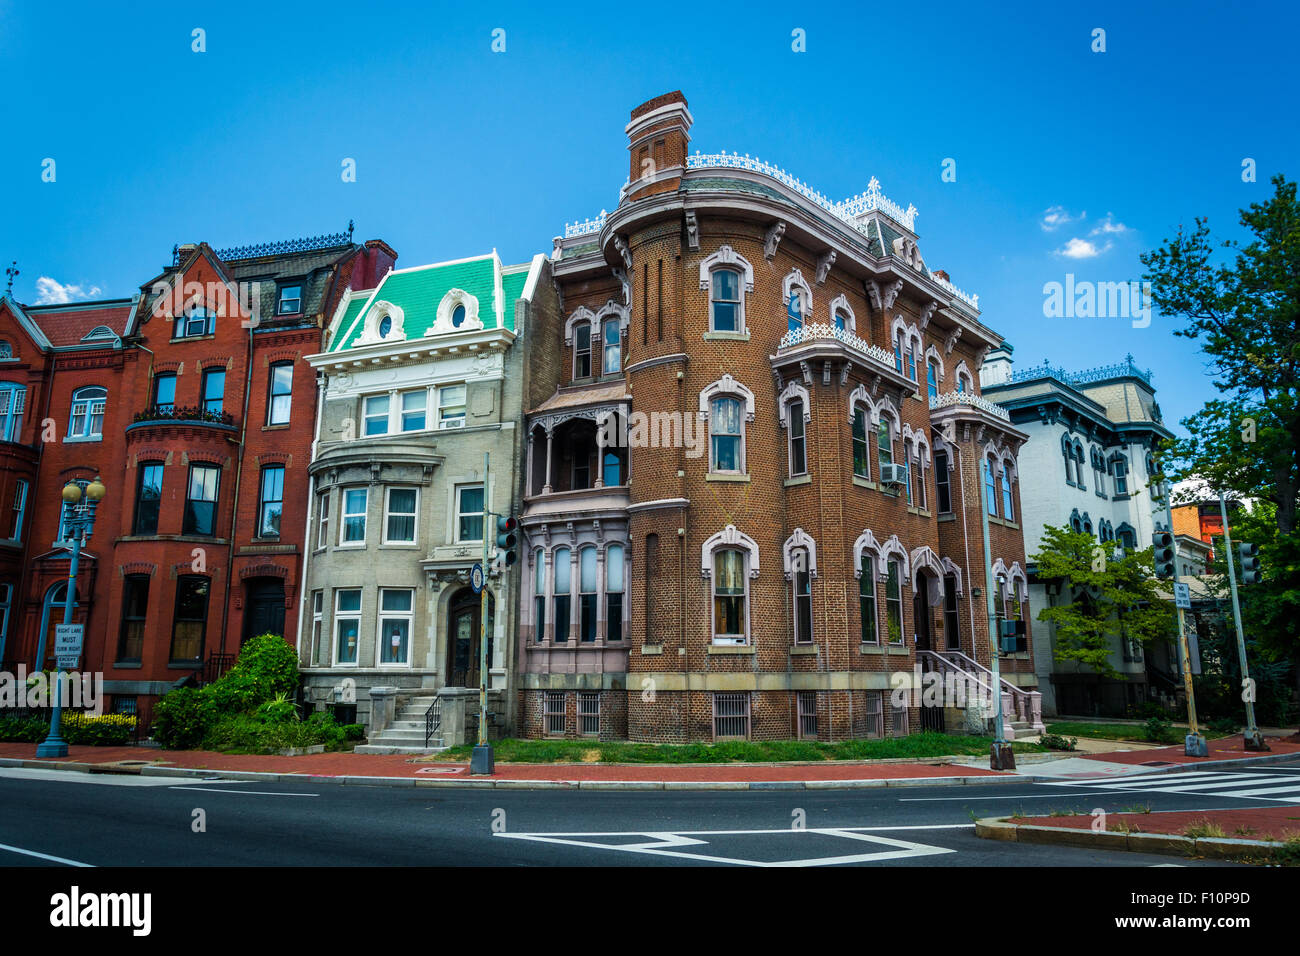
(921, 615)
(463, 620)
(264, 612)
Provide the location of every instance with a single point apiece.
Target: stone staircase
(405, 735)
(1021, 709)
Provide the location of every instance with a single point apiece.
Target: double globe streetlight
(76, 525)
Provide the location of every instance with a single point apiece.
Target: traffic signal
(506, 540)
(1163, 543)
(1248, 554)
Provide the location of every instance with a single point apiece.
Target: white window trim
(727, 258)
(841, 304)
(794, 281)
(456, 490)
(21, 491)
(438, 407)
(447, 308)
(415, 515)
(381, 616)
(366, 415)
(324, 499)
(336, 616)
(730, 640)
(799, 540)
(89, 413)
(344, 514)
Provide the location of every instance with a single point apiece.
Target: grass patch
(926, 744)
(1135, 732)
(1203, 829)
(1123, 826)
(1136, 808)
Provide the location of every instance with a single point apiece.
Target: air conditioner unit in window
(452, 423)
(893, 475)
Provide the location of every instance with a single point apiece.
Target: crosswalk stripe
(1294, 788)
(1173, 786)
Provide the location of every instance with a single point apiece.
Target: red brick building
(753, 498)
(192, 403)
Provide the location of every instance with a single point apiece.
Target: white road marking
(1041, 796)
(1239, 785)
(44, 856)
(73, 776)
(258, 793)
(662, 843)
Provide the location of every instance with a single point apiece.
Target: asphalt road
(57, 818)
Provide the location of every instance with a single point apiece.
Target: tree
(1246, 315)
(1107, 599)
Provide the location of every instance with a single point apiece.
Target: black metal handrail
(432, 720)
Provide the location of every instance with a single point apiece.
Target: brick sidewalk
(1267, 823)
(1225, 748)
(398, 765)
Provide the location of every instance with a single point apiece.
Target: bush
(30, 730)
(1158, 730)
(1059, 742)
(353, 731)
(278, 711)
(248, 733)
(266, 667)
(183, 718)
(1225, 726)
(106, 730)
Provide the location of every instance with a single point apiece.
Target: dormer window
(290, 302)
(385, 326)
(196, 321)
(458, 317)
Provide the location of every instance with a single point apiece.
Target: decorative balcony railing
(1097, 374)
(949, 399)
(972, 300)
(816, 331)
(181, 413)
(585, 227)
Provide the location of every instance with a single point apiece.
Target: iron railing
(432, 720)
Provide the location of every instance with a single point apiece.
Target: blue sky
(459, 149)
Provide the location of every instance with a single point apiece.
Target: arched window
(13, 400)
(614, 586)
(797, 448)
(6, 350)
(52, 611)
(802, 597)
(1008, 509)
(861, 456)
(582, 350)
(885, 444)
(1087, 523)
(730, 596)
(612, 348)
(726, 307)
(932, 379)
(841, 320)
(1067, 454)
(539, 596)
(457, 318)
(1078, 465)
(587, 595)
(963, 382)
(611, 470)
(870, 621)
(726, 436)
(1119, 471)
(990, 485)
(1076, 523)
(563, 595)
(894, 601)
(907, 468)
(1126, 537)
(87, 417)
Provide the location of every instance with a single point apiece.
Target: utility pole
(1254, 739)
(1194, 744)
(482, 760)
(1001, 757)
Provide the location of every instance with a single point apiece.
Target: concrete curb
(1220, 848)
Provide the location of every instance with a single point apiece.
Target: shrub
(353, 731)
(1059, 742)
(266, 666)
(1224, 725)
(106, 730)
(277, 711)
(31, 730)
(248, 733)
(183, 717)
(1158, 730)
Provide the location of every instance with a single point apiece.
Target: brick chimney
(942, 275)
(657, 137)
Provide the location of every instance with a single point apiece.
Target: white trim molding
(728, 537)
(799, 539)
(841, 301)
(447, 307)
(924, 557)
(580, 314)
(726, 386)
(794, 280)
(726, 257)
(933, 353)
(952, 567)
(794, 389)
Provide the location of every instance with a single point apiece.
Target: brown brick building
(753, 495)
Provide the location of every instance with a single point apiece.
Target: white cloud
(1058, 216)
(1081, 249)
(1109, 226)
(52, 292)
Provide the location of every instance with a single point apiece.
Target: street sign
(67, 645)
(1182, 596)
(476, 578)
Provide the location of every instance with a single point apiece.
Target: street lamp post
(1253, 738)
(76, 526)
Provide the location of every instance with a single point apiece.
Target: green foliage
(105, 730)
(278, 711)
(1057, 742)
(266, 666)
(1109, 599)
(23, 729)
(249, 733)
(1158, 731)
(183, 717)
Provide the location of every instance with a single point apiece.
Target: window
(317, 622)
(1008, 508)
(581, 477)
(894, 602)
(942, 487)
(539, 597)
(395, 618)
(355, 502)
(1119, 470)
(885, 445)
(612, 470)
(990, 486)
(612, 348)
(135, 605)
(6, 602)
(413, 410)
(201, 500)
(725, 305)
(587, 595)
(841, 320)
(589, 713)
(1078, 466)
(290, 300)
(148, 497)
(730, 597)
(451, 406)
(867, 601)
(1127, 538)
(385, 326)
(554, 710)
(1000, 605)
(861, 463)
(197, 320)
(875, 714)
(563, 594)
(281, 393)
(963, 383)
(725, 435)
(469, 513)
(806, 705)
(214, 389)
(190, 618)
(798, 450)
(730, 716)
(458, 317)
(582, 350)
(13, 398)
(87, 418)
(907, 468)
(803, 627)
(951, 624)
(164, 393)
(375, 415)
(898, 352)
(794, 311)
(323, 519)
(614, 570)
(270, 502)
(20, 510)
(399, 522)
(916, 476)
(1067, 453)
(932, 379)
(347, 625)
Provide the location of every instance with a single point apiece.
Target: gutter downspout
(312, 651)
(239, 474)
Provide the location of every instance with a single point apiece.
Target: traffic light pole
(1194, 744)
(1254, 739)
(482, 760)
